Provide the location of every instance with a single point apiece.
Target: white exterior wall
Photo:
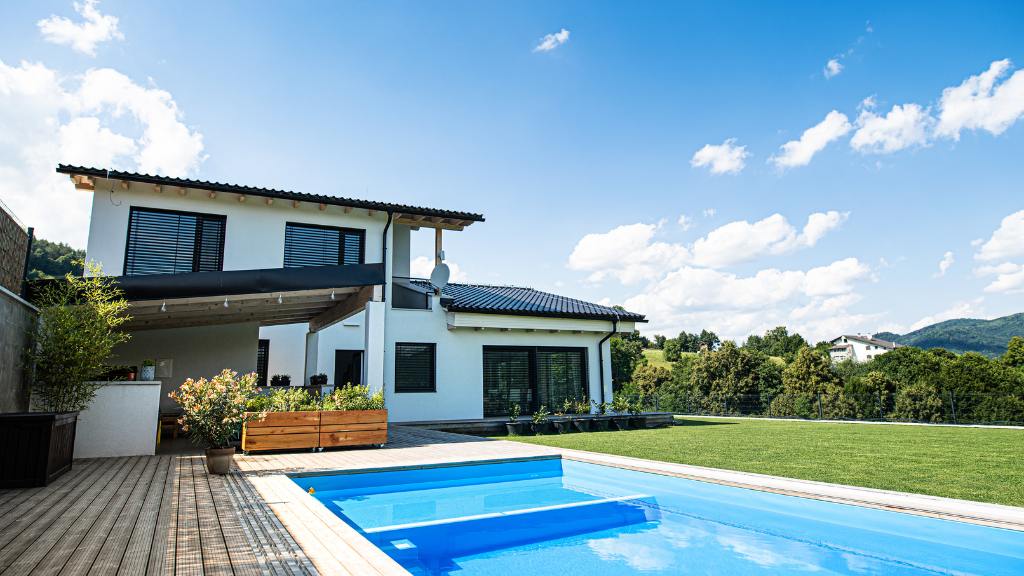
(858, 351)
(254, 231)
(122, 420)
(193, 353)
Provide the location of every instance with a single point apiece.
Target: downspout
(28, 259)
(600, 353)
(384, 257)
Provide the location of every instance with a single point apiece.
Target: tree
(811, 387)
(659, 341)
(78, 328)
(671, 348)
(626, 353)
(708, 340)
(777, 342)
(649, 379)
(53, 260)
(731, 379)
(1014, 356)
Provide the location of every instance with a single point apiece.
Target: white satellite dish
(439, 276)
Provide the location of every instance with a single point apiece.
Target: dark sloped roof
(524, 302)
(269, 193)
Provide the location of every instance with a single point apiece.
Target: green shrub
(919, 402)
(354, 397)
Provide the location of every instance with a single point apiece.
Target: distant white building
(859, 348)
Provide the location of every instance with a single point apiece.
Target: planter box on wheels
(35, 447)
(282, 431)
(353, 428)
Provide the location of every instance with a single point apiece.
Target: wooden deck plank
(83, 540)
(23, 503)
(25, 551)
(214, 551)
(240, 553)
(163, 551)
(118, 532)
(135, 555)
(189, 557)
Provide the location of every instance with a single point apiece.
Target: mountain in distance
(988, 337)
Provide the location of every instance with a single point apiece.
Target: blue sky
(583, 156)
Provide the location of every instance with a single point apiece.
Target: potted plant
(318, 380)
(280, 380)
(71, 345)
(561, 421)
(514, 426)
(148, 372)
(636, 418)
(352, 416)
(212, 410)
(581, 409)
(541, 422)
(620, 409)
(600, 422)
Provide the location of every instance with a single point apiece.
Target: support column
(606, 348)
(312, 354)
(374, 346)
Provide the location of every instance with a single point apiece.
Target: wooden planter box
(35, 447)
(315, 429)
(353, 428)
(282, 431)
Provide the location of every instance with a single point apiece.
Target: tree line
(780, 374)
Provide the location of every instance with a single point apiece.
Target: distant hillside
(988, 337)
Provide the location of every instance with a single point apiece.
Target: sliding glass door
(532, 377)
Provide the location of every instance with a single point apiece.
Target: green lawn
(971, 463)
(656, 357)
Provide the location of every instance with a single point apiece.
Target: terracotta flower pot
(218, 460)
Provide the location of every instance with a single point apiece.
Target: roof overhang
(416, 216)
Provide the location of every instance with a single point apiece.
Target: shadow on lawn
(694, 422)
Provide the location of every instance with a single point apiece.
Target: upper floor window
(313, 245)
(171, 242)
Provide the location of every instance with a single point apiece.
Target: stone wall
(13, 248)
(16, 317)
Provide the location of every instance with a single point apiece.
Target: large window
(415, 367)
(312, 245)
(532, 377)
(262, 361)
(171, 242)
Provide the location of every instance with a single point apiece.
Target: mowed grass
(656, 357)
(985, 465)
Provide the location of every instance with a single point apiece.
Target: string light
(163, 307)
(332, 294)
(225, 302)
(280, 299)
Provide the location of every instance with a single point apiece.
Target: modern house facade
(255, 279)
(858, 348)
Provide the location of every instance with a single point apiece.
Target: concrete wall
(254, 231)
(192, 353)
(122, 420)
(16, 319)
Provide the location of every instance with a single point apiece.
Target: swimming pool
(564, 517)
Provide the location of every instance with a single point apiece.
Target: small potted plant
(600, 422)
(636, 418)
(561, 421)
(280, 380)
(620, 409)
(514, 426)
(148, 371)
(541, 423)
(318, 380)
(581, 410)
(212, 410)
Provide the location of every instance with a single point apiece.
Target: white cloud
(736, 306)
(551, 41)
(813, 140)
(685, 222)
(968, 309)
(81, 36)
(709, 212)
(1006, 242)
(978, 103)
(740, 241)
(832, 68)
(1008, 282)
(422, 266)
(101, 118)
(903, 127)
(724, 158)
(627, 253)
(945, 263)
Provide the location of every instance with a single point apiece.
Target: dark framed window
(415, 367)
(532, 376)
(262, 361)
(315, 245)
(173, 242)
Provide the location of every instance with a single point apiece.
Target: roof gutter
(600, 353)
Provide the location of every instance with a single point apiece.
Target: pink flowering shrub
(215, 408)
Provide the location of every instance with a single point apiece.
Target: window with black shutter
(415, 367)
(172, 242)
(532, 377)
(314, 245)
(262, 360)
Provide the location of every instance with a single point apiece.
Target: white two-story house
(858, 348)
(254, 279)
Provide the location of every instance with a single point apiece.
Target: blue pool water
(568, 518)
